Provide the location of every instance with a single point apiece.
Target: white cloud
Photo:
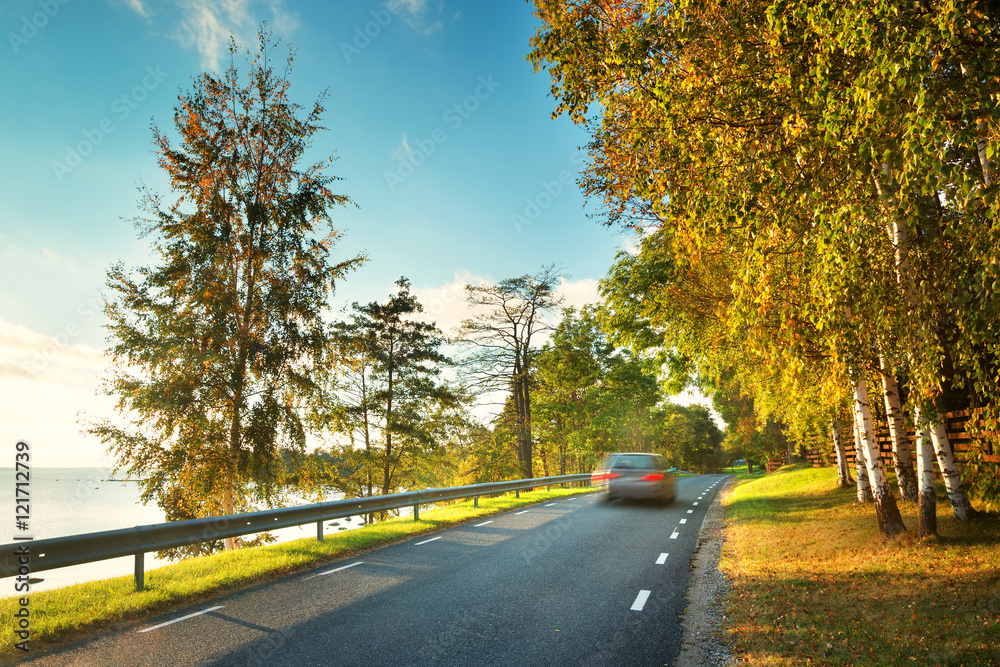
(138, 8)
(578, 293)
(419, 16)
(44, 383)
(29, 355)
(56, 293)
(206, 25)
(446, 305)
(413, 6)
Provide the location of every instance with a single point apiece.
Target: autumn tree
(808, 141)
(216, 345)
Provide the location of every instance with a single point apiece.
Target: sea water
(73, 501)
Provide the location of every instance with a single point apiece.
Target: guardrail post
(517, 493)
(548, 487)
(475, 501)
(416, 512)
(140, 572)
(319, 531)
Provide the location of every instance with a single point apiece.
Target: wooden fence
(821, 452)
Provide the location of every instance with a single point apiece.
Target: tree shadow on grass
(787, 509)
(880, 616)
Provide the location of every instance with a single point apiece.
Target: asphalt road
(573, 582)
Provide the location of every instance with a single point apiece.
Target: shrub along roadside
(814, 583)
(70, 613)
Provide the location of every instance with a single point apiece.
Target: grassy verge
(814, 583)
(72, 612)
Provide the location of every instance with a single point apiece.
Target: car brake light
(653, 478)
(602, 476)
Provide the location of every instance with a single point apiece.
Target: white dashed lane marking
(674, 535)
(337, 569)
(430, 540)
(662, 559)
(522, 512)
(690, 511)
(640, 600)
(684, 520)
(480, 525)
(197, 613)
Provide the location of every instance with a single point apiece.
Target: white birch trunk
(902, 458)
(942, 447)
(886, 511)
(927, 501)
(949, 471)
(984, 161)
(843, 470)
(860, 467)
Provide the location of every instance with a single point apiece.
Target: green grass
(814, 583)
(66, 614)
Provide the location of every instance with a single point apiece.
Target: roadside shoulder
(702, 642)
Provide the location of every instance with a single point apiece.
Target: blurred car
(635, 475)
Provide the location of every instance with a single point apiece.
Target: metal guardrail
(55, 552)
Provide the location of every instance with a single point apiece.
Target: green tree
(510, 316)
(390, 397)
(570, 366)
(690, 438)
(215, 347)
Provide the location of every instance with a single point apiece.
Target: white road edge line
(640, 600)
(662, 559)
(182, 618)
(337, 569)
(674, 535)
(430, 540)
(480, 525)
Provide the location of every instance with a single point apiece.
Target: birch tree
(760, 128)
(927, 500)
(843, 469)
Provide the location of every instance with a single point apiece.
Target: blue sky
(443, 134)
